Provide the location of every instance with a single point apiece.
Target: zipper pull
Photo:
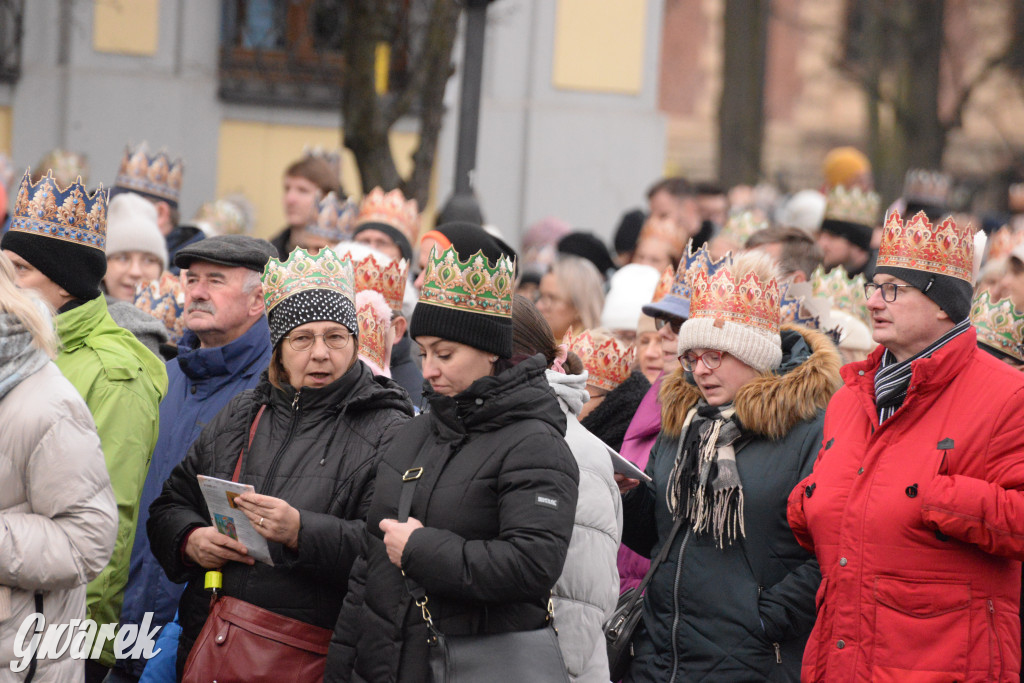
(991, 607)
(778, 653)
(295, 401)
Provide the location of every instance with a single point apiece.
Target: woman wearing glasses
(742, 422)
(307, 439)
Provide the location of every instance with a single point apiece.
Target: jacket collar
(357, 388)
(76, 325)
(772, 404)
(231, 359)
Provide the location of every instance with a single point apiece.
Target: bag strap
(252, 434)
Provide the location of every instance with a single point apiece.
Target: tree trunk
(917, 91)
(741, 109)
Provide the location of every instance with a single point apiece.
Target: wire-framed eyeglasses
(335, 339)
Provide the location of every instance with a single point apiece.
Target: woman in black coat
(312, 460)
(493, 509)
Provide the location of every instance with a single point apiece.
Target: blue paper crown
(691, 263)
(335, 218)
(156, 176)
(71, 215)
(793, 311)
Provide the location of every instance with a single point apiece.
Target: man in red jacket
(915, 507)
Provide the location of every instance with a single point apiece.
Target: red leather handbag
(243, 643)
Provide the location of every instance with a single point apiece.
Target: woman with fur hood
(741, 425)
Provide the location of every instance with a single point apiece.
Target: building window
(12, 13)
(289, 52)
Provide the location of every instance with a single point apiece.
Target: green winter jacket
(122, 382)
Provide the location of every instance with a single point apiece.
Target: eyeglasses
(674, 323)
(303, 341)
(889, 290)
(711, 360)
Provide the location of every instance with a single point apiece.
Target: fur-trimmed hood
(772, 404)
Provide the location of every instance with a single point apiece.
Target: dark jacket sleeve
(342, 650)
(526, 558)
(180, 507)
(639, 529)
(328, 545)
(787, 608)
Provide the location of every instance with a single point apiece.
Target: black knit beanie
(951, 294)
(491, 333)
(588, 246)
(855, 233)
(391, 231)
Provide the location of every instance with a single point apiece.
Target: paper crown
(331, 157)
(922, 186)
(692, 262)
(607, 364)
(164, 299)
(847, 293)
(741, 225)
(374, 322)
(716, 295)
(71, 214)
(301, 272)
(226, 216)
(852, 206)
(664, 284)
(389, 279)
(65, 165)
(1003, 241)
(334, 218)
(944, 250)
(391, 209)
(660, 231)
(793, 309)
(472, 286)
(999, 325)
(156, 176)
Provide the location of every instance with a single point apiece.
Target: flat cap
(239, 251)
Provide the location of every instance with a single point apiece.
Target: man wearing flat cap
(225, 349)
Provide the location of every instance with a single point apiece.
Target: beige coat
(58, 519)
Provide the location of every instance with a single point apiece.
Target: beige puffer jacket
(58, 519)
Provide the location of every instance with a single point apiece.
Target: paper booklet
(624, 467)
(220, 497)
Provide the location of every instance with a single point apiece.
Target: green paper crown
(300, 272)
(852, 206)
(472, 286)
(999, 325)
(847, 293)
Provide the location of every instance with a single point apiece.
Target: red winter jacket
(918, 524)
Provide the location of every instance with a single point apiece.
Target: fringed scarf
(706, 443)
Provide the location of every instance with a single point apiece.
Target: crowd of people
(809, 410)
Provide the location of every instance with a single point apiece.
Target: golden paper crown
(749, 302)
(847, 293)
(741, 225)
(334, 218)
(472, 286)
(374, 322)
(922, 186)
(608, 363)
(664, 284)
(71, 215)
(389, 279)
(391, 209)
(164, 299)
(156, 176)
(1003, 241)
(301, 272)
(999, 325)
(944, 250)
(852, 206)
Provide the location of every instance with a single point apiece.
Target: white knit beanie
(132, 226)
(757, 348)
(631, 287)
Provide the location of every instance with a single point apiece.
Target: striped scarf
(893, 378)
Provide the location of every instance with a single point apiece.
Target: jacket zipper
(675, 606)
(776, 646)
(993, 642)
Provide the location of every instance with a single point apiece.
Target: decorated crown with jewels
(664, 284)
(392, 209)
(473, 285)
(922, 186)
(387, 278)
(301, 272)
(847, 293)
(334, 218)
(999, 325)
(164, 299)
(852, 206)
(607, 363)
(946, 249)
(720, 297)
(70, 214)
(792, 309)
(157, 176)
(741, 225)
(374, 322)
(331, 157)
(1003, 241)
(658, 230)
(692, 262)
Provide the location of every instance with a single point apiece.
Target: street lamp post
(469, 103)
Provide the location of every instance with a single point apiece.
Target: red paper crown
(389, 279)
(608, 364)
(917, 245)
(664, 284)
(391, 209)
(373, 327)
(749, 302)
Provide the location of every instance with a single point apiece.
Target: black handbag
(498, 658)
(619, 629)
